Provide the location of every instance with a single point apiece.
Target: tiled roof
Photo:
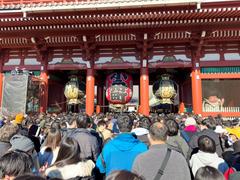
(36, 4)
(166, 24)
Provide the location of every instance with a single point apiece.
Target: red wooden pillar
(144, 91)
(196, 83)
(196, 91)
(44, 91)
(90, 81)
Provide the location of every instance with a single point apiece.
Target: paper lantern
(119, 88)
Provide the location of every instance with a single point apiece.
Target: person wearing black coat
(207, 127)
(89, 145)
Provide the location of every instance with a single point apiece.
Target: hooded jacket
(210, 133)
(202, 159)
(88, 143)
(4, 147)
(119, 153)
(179, 144)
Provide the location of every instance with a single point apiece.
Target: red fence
(15, 2)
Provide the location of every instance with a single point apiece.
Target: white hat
(190, 121)
(220, 130)
(140, 131)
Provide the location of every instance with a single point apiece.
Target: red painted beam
(175, 64)
(221, 76)
(117, 66)
(66, 67)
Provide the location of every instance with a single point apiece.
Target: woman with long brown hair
(68, 163)
(49, 151)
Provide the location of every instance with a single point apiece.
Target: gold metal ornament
(165, 89)
(72, 92)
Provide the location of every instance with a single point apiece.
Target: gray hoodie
(202, 159)
(179, 144)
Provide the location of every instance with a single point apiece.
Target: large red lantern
(119, 88)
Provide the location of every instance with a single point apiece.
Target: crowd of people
(119, 146)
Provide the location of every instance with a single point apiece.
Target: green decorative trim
(210, 70)
(36, 73)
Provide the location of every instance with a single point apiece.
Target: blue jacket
(45, 157)
(119, 153)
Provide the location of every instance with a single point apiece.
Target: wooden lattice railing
(222, 109)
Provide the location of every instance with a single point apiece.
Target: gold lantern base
(166, 101)
(73, 101)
